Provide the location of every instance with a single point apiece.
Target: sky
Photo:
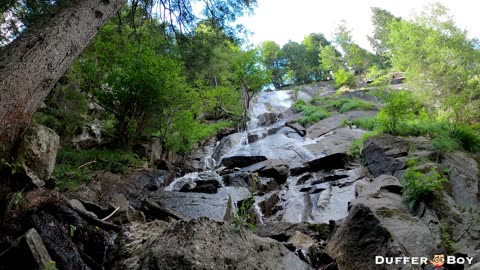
(284, 20)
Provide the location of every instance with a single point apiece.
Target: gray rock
(268, 118)
(463, 178)
(37, 153)
(275, 168)
(381, 154)
(226, 144)
(379, 224)
(241, 161)
(297, 127)
(198, 244)
(27, 252)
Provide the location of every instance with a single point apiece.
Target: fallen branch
(88, 163)
(113, 213)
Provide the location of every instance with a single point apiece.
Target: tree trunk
(31, 65)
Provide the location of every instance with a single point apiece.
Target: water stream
(312, 200)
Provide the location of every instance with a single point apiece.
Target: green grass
(73, 166)
(311, 113)
(343, 104)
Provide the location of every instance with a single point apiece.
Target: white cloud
(283, 20)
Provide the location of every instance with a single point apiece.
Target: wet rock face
(198, 244)
(37, 153)
(268, 118)
(241, 161)
(274, 168)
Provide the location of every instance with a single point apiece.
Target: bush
(399, 106)
(243, 217)
(343, 77)
(419, 186)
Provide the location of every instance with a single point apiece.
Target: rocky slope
(313, 206)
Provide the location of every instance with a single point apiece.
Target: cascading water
(268, 135)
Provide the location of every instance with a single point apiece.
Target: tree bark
(32, 64)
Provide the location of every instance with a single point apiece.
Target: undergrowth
(73, 167)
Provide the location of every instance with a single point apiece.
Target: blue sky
(283, 20)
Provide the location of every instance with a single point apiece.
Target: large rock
(198, 244)
(297, 127)
(268, 118)
(90, 136)
(192, 205)
(385, 154)
(37, 153)
(226, 144)
(27, 252)
(241, 161)
(380, 224)
(463, 179)
(328, 124)
(275, 168)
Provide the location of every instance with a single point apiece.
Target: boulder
(27, 252)
(268, 118)
(198, 244)
(241, 161)
(203, 182)
(90, 137)
(240, 179)
(297, 127)
(268, 205)
(380, 224)
(37, 153)
(331, 161)
(301, 241)
(192, 205)
(275, 168)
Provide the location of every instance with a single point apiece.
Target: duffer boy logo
(438, 261)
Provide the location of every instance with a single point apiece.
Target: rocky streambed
(314, 206)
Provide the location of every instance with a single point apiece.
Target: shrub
(343, 77)
(419, 186)
(242, 219)
(399, 106)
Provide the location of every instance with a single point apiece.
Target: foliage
(52, 265)
(398, 106)
(73, 166)
(441, 62)
(243, 216)
(272, 58)
(330, 59)
(66, 109)
(71, 230)
(381, 20)
(343, 77)
(367, 123)
(311, 113)
(188, 132)
(347, 104)
(419, 186)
